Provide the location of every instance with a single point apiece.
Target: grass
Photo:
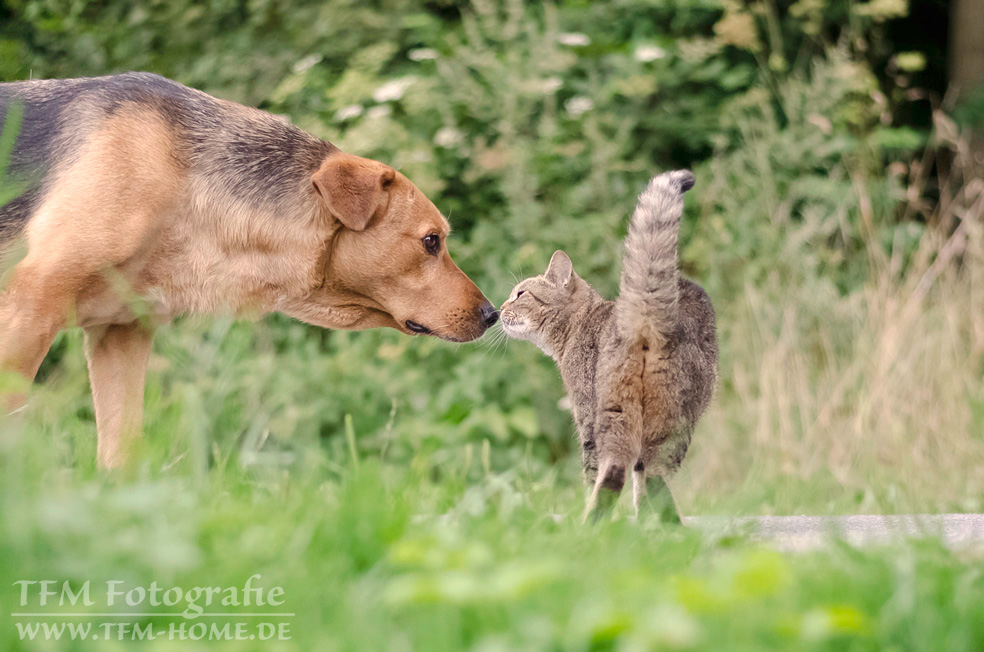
(378, 557)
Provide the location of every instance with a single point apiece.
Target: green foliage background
(412, 494)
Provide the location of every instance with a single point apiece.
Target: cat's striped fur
(640, 370)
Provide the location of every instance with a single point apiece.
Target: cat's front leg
(589, 459)
(604, 496)
(607, 473)
(607, 496)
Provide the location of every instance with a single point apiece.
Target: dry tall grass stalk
(884, 396)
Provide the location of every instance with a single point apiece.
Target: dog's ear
(560, 271)
(354, 189)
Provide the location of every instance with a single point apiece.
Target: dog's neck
(326, 301)
(337, 309)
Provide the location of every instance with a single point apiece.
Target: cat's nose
(489, 314)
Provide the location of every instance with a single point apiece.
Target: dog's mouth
(417, 328)
(420, 329)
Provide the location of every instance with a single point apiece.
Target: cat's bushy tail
(648, 293)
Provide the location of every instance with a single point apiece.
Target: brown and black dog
(141, 188)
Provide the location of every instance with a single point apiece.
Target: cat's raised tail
(648, 294)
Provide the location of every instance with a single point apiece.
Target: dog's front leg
(30, 317)
(117, 358)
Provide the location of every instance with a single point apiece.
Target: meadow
(410, 494)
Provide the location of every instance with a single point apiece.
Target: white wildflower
(348, 112)
(646, 53)
(422, 54)
(578, 105)
(448, 137)
(303, 65)
(392, 90)
(551, 84)
(573, 39)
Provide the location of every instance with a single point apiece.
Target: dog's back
(249, 153)
(57, 115)
(41, 105)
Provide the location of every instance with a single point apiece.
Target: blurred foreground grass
(375, 557)
(837, 224)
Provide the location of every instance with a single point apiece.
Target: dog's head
(390, 256)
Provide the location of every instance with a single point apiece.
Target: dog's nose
(489, 314)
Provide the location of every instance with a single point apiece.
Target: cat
(640, 370)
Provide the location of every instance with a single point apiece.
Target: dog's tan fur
(130, 214)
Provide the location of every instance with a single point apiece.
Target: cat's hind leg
(654, 501)
(663, 456)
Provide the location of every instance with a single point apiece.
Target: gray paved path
(806, 532)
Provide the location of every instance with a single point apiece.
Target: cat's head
(538, 303)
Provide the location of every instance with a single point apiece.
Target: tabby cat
(640, 370)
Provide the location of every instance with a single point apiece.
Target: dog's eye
(432, 243)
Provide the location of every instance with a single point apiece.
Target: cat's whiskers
(494, 341)
(502, 339)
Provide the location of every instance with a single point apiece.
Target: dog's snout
(489, 314)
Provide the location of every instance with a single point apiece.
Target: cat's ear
(560, 271)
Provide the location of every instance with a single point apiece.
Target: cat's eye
(432, 243)
(520, 293)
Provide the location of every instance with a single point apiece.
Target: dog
(146, 199)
